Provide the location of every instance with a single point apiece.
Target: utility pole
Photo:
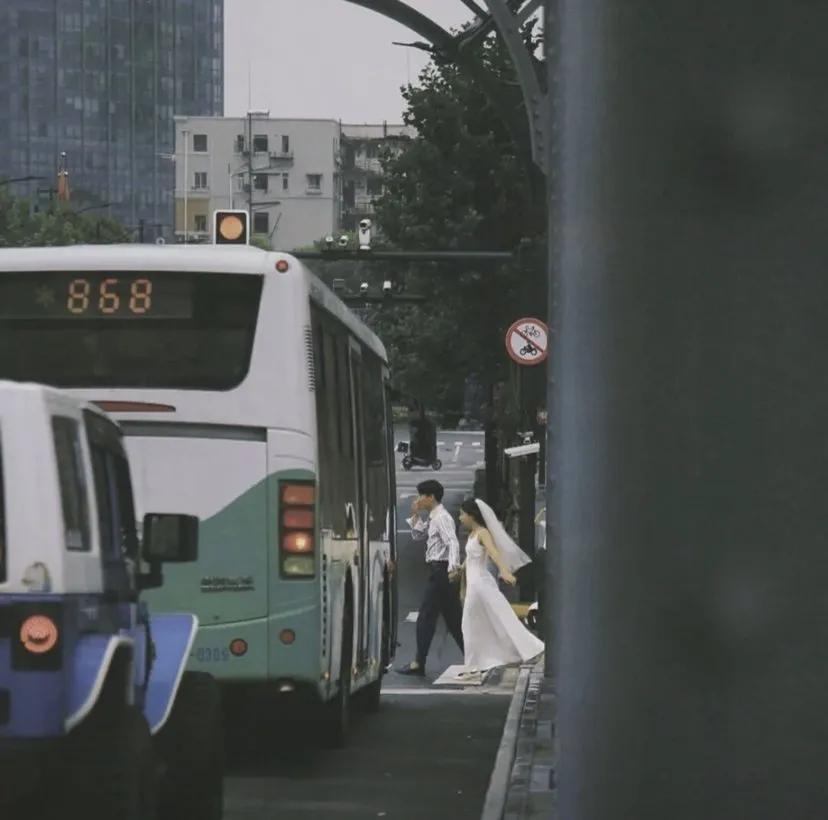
(186, 134)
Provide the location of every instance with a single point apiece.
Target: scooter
(410, 461)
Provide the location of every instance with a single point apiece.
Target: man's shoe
(410, 669)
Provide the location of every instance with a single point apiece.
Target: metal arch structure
(507, 17)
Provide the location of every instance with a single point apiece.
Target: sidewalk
(522, 781)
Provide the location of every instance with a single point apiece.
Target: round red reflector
(287, 636)
(238, 647)
(39, 634)
(283, 266)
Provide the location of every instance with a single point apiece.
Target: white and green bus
(251, 397)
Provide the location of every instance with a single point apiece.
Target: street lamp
(186, 134)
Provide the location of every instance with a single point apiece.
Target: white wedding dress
(492, 634)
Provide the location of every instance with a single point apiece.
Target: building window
(261, 223)
(260, 182)
(314, 183)
(200, 143)
(260, 144)
(285, 182)
(239, 147)
(285, 144)
(200, 180)
(201, 223)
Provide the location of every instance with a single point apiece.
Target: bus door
(364, 563)
(393, 592)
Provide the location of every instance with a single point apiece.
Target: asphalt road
(429, 751)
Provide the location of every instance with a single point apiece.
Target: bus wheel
(111, 772)
(337, 711)
(191, 746)
(372, 695)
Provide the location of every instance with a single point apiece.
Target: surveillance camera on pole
(365, 234)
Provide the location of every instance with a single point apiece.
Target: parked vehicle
(97, 717)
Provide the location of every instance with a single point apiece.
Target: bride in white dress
(492, 633)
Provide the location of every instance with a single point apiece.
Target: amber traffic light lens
(231, 228)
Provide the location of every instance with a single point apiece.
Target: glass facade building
(101, 80)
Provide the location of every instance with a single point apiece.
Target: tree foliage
(461, 184)
(20, 226)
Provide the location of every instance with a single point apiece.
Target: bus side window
(332, 346)
(2, 521)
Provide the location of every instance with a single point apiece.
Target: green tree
(57, 225)
(463, 183)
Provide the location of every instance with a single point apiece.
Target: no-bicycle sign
(527, 341)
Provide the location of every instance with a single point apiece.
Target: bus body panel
(198, 476)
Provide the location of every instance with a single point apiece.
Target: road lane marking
(457, 446)
(411, 618)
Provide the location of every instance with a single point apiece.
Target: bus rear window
(128, 329)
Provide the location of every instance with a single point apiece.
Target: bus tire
(337, 711)
(191, 748)
(372, 696)
(112, 771)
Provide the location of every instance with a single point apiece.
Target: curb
(495, 803)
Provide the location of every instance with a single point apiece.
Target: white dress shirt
(439, 534)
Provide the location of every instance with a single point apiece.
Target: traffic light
(231, 228)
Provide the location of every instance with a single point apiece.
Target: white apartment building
(303, 180)
(290, 180)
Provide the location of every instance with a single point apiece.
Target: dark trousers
(441, 598)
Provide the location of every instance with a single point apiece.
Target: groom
(442, 556)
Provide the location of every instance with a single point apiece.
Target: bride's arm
(494, 553)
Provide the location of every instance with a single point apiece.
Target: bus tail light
(297, 530)
(298, 543)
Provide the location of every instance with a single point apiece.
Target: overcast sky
(322, 58)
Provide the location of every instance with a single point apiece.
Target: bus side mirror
(170, 539)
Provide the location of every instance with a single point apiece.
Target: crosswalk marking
(451, 677)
